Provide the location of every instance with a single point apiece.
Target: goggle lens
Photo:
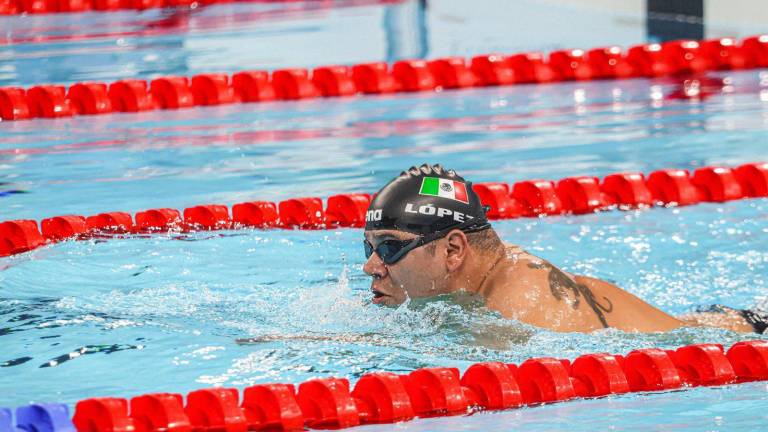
(387, 250)
(392, 251)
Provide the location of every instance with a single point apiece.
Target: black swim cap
(425, 200)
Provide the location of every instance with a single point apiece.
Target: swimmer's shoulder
(536, 292)
(522, 290)
(517, 254)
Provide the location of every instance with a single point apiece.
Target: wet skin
(521, 286)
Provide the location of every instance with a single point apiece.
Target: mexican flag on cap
(444, 188)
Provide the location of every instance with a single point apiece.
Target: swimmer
(426, 234)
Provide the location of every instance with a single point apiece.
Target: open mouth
(378, 296)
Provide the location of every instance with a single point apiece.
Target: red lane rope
(17, 7)
(384, 397)
(178, 21)
(176, 92)
(529, 198)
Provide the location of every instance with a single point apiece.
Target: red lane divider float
(530, 198)
(385, 397)
(173, 92)
(16, 7)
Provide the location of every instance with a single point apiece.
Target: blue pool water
(128, 316)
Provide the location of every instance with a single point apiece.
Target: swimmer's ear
(457, 247)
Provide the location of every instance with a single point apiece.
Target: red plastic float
(374, 78)
(18, 236)
(158, 219)
(686, 56)
(326, 403)
(48, 101)
(598, 375)
(452, 73)
(13, 104)
(718, 183)
(89, 98)
(35, 6)
(185, 3)
(114, 222)
(538, 196)
(212, 89)
(159, 412)
(435, 392)
(293, 84)
(749, 360)
(215, 409)
(71, 5)
(580, 194)
(253, 86)
(8, 7)
(571, 64)
(649, 370)
(63, 227)
(497, 197)
(413, 75)
(493, 384)
(627, 189)
(302, 213)
(756, 48)
(673, 186)
(610, 62)
(544, 380)
(703, 364)
(171, 92)
(531, 67)
(493, 70)
(382, 398)
(103, 414)
(272, 407)
(753, 179)
(207, 217)
(650, 61)
(106, 5)
(260, 214)
(347, 210)
(130, 96)
(334, 81)
(725, 54)
(141, 4)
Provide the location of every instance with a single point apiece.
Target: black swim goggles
(392, 251)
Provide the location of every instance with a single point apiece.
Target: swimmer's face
(419, 273)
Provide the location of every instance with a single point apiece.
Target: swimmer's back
(538, 293)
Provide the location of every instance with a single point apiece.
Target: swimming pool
(161, 313)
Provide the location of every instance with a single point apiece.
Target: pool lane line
(196, 135)
(164, 26)
(386, 397)
(37, 7)
(674, 58)
(528, 198)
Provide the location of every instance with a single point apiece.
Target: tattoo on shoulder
(561, 285)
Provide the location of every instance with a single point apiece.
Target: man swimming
(426, 234)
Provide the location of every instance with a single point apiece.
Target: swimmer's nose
(375, 266)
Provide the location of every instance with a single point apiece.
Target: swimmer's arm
(639, 316)
(730, 320)
(632, 313)
(646, 318)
